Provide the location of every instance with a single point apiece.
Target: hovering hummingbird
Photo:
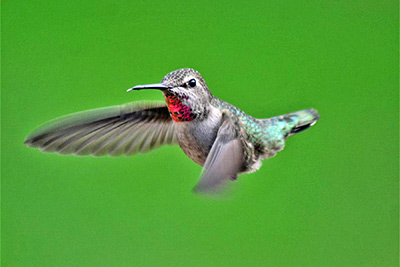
(213, 133)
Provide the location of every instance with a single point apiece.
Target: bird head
(186, 94)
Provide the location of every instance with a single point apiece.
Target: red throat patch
(178, 111)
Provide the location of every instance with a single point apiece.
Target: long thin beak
(158, 86)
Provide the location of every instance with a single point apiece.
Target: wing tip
(210, 190)
(216, 193)
(29, 142)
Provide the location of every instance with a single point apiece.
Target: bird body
(213, 133)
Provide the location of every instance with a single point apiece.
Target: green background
(329, 199)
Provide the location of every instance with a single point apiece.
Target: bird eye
(192, 83)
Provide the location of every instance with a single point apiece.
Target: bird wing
(224, 161)
(126, 129)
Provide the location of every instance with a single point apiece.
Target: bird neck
(185, 108)
(179, 109)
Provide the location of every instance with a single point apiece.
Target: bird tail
(299, 121)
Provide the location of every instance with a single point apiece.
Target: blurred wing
(127, 129)
(224, 161)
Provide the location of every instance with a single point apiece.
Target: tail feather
(307, 118)
(299, 121)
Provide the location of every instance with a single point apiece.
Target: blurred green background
(329, 199)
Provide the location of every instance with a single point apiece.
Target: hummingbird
(213, 133)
